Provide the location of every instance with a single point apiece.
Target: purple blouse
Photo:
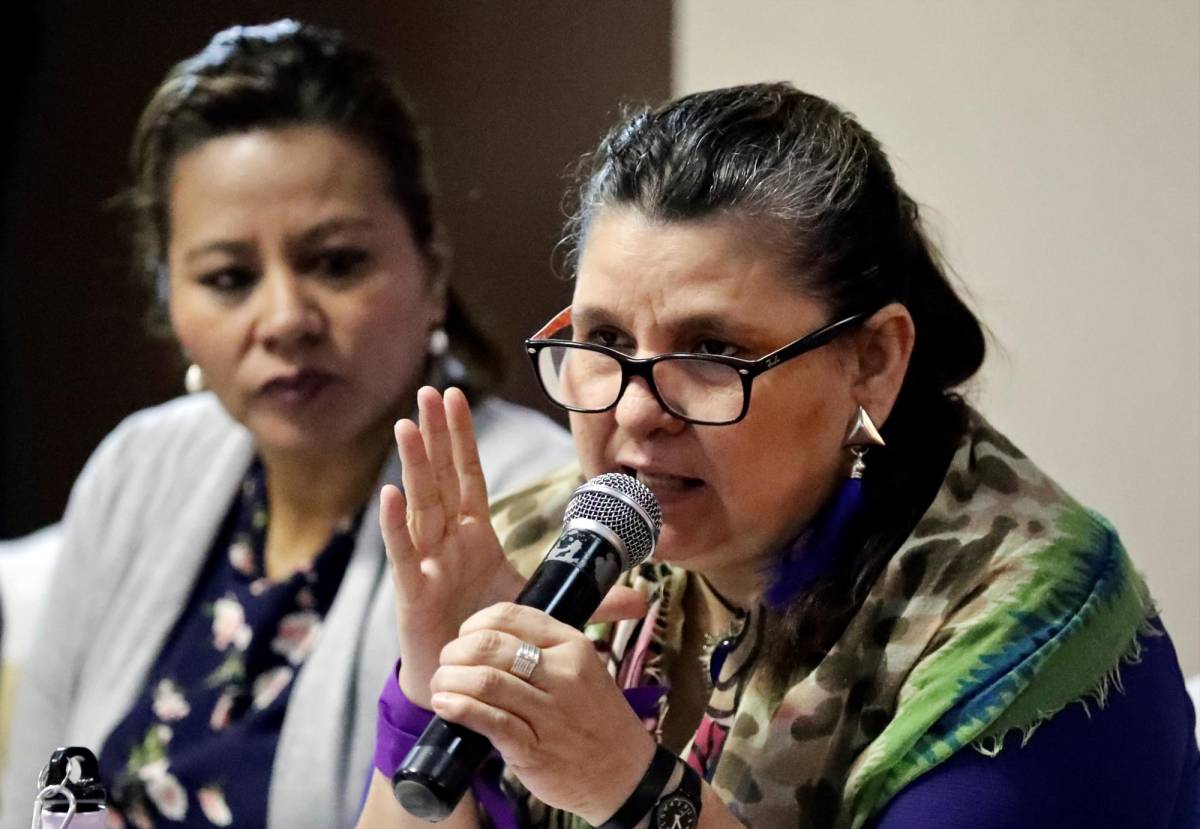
(1132, 763)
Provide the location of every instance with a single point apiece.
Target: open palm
(446, 560)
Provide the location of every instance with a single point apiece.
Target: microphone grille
(625, 506)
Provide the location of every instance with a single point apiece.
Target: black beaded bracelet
(646, 793)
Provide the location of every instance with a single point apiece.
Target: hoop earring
(193, 379)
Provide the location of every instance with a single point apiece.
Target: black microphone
(611, 524)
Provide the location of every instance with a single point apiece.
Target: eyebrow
(309, 237)
(331, 226)
(226, 247)
(681, 327)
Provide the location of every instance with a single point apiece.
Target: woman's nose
(289, 315)
(639, 412)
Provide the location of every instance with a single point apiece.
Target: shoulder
(1012, 600)
(1002, 545)
(1130, 761)
(518, 446)
(999, 521)
(158, 451)
(528, 519)
(191, 426)
(519, 421)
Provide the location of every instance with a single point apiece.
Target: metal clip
(52, 791)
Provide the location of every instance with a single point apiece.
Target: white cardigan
(138, 528)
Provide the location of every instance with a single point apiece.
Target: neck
(737, 586)
(310, 493)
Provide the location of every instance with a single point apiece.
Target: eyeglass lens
(589, 380)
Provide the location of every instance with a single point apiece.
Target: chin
(678, 548)
(307, 438)
(299, 446)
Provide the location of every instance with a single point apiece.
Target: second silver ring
(525, 660)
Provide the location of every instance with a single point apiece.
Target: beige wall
(1056, 146)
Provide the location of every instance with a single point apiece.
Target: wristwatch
(681, 808)
(647, 793)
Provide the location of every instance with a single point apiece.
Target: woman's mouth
(666, 487)
(296, 389)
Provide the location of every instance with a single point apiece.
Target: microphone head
(625, 507)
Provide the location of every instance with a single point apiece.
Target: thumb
(621, 603)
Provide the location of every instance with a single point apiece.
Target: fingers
(510, 734)
(426, 518)
(494, 686)
(472, 486)
(443, 477)
(475, 685)
(436, 437)
(393, 523)
(490, 700)
(620, 603)
(527, 624)
(487, 648)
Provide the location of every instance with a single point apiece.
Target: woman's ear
(882, 347)
(438, 257)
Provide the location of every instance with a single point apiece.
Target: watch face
(675, 812)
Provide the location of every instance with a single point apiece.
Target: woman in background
(842, 613)
(222, 613)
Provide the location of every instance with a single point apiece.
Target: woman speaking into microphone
(858, 581)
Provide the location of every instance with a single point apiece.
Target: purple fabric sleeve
(401, 722)
(399, 725)
(397, 730)
(1133, 762)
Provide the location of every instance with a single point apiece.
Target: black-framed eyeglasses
(705, 389)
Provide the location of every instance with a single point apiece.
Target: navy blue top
(1132, 763)
(196, 748)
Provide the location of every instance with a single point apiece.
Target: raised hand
(446, 560)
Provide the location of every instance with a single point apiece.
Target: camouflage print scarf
(1008, 601)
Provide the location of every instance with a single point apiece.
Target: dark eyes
(719, 347)
(229, 280)
(611, 338)
(620, 341)
(339, 263)
(333, 264)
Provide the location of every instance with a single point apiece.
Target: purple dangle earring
(802, 563)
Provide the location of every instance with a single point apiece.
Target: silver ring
(525, 661)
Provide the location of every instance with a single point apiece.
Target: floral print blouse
(197, 747)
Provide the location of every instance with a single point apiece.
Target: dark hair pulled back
(274, 76)
(820, 186)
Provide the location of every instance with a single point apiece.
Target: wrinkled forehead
(715, 271)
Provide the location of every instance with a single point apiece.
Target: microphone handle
(568, 585)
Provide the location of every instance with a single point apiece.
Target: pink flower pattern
(190, 749)
(213, 805)
(241, 556)
(270, 685)
(229, 625)
(297, 636)
(169, 704)
(164, 790)
(222, 712)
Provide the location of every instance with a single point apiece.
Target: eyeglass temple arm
(813, 341)
(560, 320)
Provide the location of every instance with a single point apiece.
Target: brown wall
(512, 92)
